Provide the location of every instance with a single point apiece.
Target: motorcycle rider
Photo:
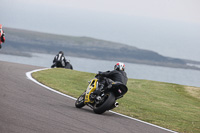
(116, 75)
(59, 60)
(2, 36)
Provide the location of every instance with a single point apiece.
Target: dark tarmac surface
(26, 107)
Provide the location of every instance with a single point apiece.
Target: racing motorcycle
(106, 100)
(62, 64)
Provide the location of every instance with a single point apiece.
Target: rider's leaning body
(59, 60)
(116, 75)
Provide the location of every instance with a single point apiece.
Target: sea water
(135, 71)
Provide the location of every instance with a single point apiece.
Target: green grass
(172, 106)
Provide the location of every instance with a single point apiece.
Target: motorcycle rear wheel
(108, 103)
(80, 101)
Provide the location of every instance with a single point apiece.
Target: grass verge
(172, 106)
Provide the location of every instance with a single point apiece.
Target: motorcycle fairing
(91, 87)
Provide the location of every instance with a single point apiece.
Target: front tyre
(106, 105)
(80, 101)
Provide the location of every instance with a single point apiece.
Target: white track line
(28, 74)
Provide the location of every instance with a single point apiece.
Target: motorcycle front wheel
(109, 100)
(80, 101)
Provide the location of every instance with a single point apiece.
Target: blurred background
(168, 27)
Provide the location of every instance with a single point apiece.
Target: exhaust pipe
(116, 104)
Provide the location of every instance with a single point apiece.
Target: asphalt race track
(26, 107)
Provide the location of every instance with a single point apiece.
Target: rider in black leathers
(116, 75)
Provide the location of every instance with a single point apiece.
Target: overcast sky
(181, 10)
(169, 27)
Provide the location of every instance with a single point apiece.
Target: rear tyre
(80, 101)
(108, 103)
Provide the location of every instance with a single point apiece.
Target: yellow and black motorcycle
(107, 98)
